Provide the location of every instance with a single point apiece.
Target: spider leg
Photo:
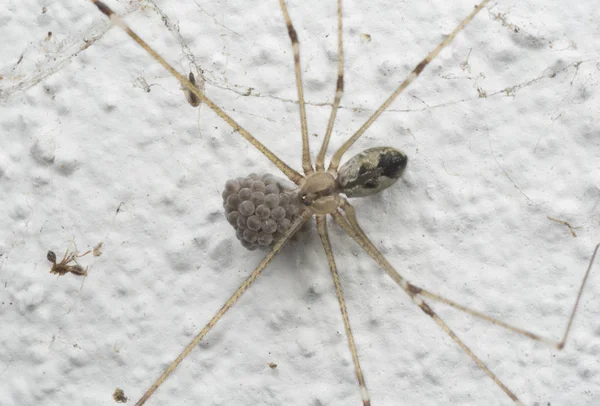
(294, 227)
(556, 344)
(118, 21)
(322, 230)
(338, 92)
(351, 215)
(67, 258)
(306, 165)
(82, 255)
(416, 298)
(335, 161)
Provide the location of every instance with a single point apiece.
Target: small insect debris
(364, 37)
(119, 396)
(97, 251)
(192, 99)
(564, 223)
(61, 268)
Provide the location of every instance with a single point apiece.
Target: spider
(320, 190)
(411, 222)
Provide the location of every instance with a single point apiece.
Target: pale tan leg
(322, 229)
(335, 161)
(359, 237)
(306, 165)
(294, 227)
(84, 254)
(339, 90)
(351, 215)
(116, 20)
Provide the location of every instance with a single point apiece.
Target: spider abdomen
(371, 171)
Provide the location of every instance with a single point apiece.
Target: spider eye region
(371, 171)
(319, 193)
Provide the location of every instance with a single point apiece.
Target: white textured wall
(80, 138)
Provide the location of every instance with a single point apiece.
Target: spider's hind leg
(350, 226)
(322, 230)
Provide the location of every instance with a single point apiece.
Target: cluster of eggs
(259, 208)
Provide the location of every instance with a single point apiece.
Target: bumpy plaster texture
(98, 144)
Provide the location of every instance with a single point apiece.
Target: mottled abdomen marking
(371, 171)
